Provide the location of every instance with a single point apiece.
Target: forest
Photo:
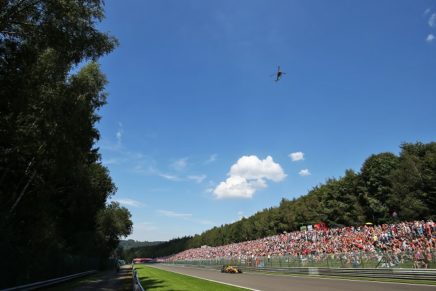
(130, 243)
(387, 188)
(54, 190)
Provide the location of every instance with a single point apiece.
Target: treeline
(388, 188)
(54, 217)
(130, 243)
(161, 250)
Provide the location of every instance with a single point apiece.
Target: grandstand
(143, 260)
(405, 244)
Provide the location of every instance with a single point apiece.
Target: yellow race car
(230, 269)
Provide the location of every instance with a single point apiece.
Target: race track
(264, 282)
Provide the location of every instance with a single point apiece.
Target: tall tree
(375, 185)
(414, 182)
(113, 222)
(52, 184)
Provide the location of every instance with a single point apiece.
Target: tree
(405, 184)
(375, 185)
(113, 222)
(52, 184)
(414, 182)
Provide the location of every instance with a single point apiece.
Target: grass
(160, 280)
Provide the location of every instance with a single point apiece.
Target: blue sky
(196, 133)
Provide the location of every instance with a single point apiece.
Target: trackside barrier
(411, 274)
(50, 282)
(366, 260)
(135, 280)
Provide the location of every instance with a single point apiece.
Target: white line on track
(213, 280)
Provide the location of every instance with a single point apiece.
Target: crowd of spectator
(415, 238)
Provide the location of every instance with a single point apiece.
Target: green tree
(386, 183)
(52, 184)
(414, 182)
(113, 222)
(375, 186)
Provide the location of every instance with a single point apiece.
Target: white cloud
(119, 134)
(236, 187)
(432, 20)
(114, 153)
(129, 202)
(197, 178)
(169, 213)
(211, 159)
(430, 38)
(304, 172)
(153, 171)
(248, 175)
(180, 164)
(169, 177)
(427, 11)
(297, 156)
(251, 167)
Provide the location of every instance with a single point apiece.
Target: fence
(135, 280)
(374, 260)
(40, 269)
(409, 274)
(50, 282)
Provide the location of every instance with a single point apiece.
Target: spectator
(405, 240)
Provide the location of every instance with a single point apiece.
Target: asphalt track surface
(265, 282)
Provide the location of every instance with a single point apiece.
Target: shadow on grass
(149, 284)
(152, 284)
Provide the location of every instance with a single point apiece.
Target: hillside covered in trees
(54, 215)
(387, 188)
(130, 243)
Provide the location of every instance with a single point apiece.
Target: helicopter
(278, 74)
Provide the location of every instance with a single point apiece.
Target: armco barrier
(411, 274)
(135, 280)
(367, 260)
(50, 282)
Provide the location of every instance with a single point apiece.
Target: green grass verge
(160, 280)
